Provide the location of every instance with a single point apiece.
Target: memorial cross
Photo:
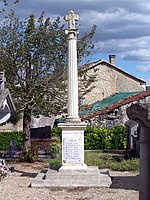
(71, 17)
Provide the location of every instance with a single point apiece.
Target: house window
(82, 101)
(109, 123)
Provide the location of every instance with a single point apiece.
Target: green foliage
(30, 155)
(94, 138)
(105, 160)
(15, 117)
(35, 52)
(5, 4)
(55, 149)
(116, 138)
(127, 165)
(105, 138)
(55, 163)
(6, 137)
(56, 132)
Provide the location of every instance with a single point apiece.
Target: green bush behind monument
(6, 137)
(105, 138)
(101, 137)
(95, 138)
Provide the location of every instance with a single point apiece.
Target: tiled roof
(112, 102)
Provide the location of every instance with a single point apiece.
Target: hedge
(105, 138)
(6, 137)
(94, 138)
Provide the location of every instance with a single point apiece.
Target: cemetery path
(124, 186)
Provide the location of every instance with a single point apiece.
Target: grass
(104, 160)
(55, 163)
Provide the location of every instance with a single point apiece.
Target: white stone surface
(71, 17)
(91, 177)
(73, 146)
(73, 129)
(72, 86)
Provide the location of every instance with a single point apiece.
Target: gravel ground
(124, 186)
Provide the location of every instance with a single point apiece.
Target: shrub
(6, 137)
(30, 155)
(116, 138)
(55, 149)
(55, 163)
(94, 138)
(105, 138)
(57, 132)
(105, 160)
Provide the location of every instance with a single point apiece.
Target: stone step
(93, 177)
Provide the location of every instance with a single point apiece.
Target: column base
(73, 119)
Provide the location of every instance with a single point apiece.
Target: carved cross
(71, 17)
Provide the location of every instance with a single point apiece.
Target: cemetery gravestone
(41, 139)
(12, 149)
(41, 132)
(141, 114)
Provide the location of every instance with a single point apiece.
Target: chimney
(2, 81)
(112, 59)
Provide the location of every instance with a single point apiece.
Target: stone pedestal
(73, 146)
(72, 129)
(141, 114)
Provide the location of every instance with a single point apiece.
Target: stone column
(72, 86)
(141, 114)
(72, 129)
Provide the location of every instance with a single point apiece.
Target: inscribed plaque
(72, 149)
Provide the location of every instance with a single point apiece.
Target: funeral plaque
(72, 150)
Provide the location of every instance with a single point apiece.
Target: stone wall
(36, 122)
(10, 127)
(110, 81)
(126, 84)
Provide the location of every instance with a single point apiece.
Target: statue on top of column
(71, 17)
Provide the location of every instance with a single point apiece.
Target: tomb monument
(141, 114)
(73, 172)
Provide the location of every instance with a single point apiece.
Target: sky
(123, 28)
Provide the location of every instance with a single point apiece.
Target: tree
(33, 55)
(5, 5)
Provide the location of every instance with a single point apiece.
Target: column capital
(72, 33)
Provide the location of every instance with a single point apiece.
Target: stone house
(114, 91)
(111, 111)
(110, 80)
